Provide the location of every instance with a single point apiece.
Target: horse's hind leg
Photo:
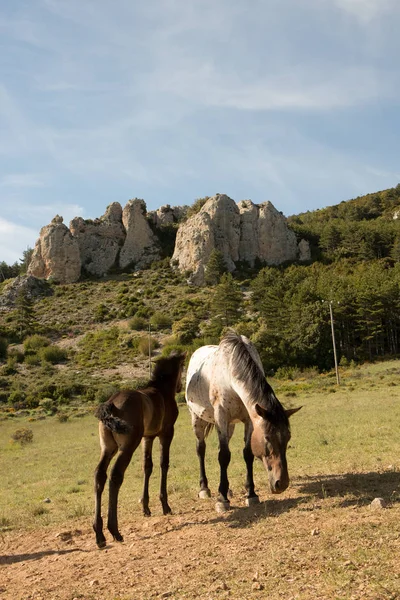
(116, 479)
(147, 445)
(165, 444)
(200, 428)
(251, 496)
(108, 449)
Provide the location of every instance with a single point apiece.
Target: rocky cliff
(119, 239)
(241, 232)
(123, 239)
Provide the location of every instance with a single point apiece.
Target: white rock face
(99, 240)
(140, 247)
(242, 232)
(56, 254)
(167, 215)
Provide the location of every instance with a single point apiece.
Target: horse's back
(198, 382)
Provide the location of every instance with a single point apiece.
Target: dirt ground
(297, 546)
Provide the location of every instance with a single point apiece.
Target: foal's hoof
(101, 544)
(204, 494)
(222, 507)
(118, 537)
(252, 501)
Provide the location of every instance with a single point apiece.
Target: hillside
(75, 343)
(363, 228)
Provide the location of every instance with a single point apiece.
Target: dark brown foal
(127, 418)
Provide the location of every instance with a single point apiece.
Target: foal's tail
(105, 415)
(208, 429)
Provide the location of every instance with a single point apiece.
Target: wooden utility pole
(334, 343)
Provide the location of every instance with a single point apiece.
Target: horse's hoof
(204, 494)
(252, 501)
(118, 538)
(222, 507)
(101, 544)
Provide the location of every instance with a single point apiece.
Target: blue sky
(292, 101)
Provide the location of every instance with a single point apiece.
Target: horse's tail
(208, 429)
(104, 413)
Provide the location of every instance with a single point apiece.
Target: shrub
(62, 417)
(3, 348)
(17, 398)
(160, 321)
(186, 329)
(138, 323)
(35, 342)
(32, 360)
(22, 436)
(147, 346)
(53, 354)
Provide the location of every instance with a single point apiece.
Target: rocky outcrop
(241, 232)
(140, 247)
(123, 239)
(100, 240)
(167, 215)
(31, 286)
(56, 254)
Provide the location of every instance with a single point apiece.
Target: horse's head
(269, 441)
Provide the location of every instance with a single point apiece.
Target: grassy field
(320, 539)
(352, 431)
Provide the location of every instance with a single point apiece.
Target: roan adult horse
(125, 419)
(226, 384)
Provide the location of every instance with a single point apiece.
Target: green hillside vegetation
(90, 338)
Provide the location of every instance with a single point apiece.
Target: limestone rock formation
(242, 232)
(56, 254)
(167, 215)
(141, 247)
(216, 225)
(99, 240)
(33, 287)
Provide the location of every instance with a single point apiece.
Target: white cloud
(367, 10)
(13, 238)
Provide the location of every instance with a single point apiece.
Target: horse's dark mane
(246, 370)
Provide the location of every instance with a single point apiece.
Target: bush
(3, 348)
(22, 436)
(138, 323)
(147, 346)
(35, 342)
(160, 321)
(53, 354)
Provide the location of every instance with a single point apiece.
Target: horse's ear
(291, 411)
(261, 411)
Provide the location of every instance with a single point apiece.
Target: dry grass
(319, 540)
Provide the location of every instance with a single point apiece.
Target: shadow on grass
(10, 559)
(355, 488)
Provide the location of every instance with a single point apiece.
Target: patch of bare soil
(293, 548)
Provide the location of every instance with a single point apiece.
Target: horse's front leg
(251, 496)
(224, 458)
(165, 444)
(147, 445)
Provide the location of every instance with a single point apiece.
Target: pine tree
(25, 313)
(227, 300)
(215, 267)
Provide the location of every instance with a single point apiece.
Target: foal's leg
(147, 445)
(199, 428)
(165, 444)
(108, 449)
(251, 496)
(116, 479)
